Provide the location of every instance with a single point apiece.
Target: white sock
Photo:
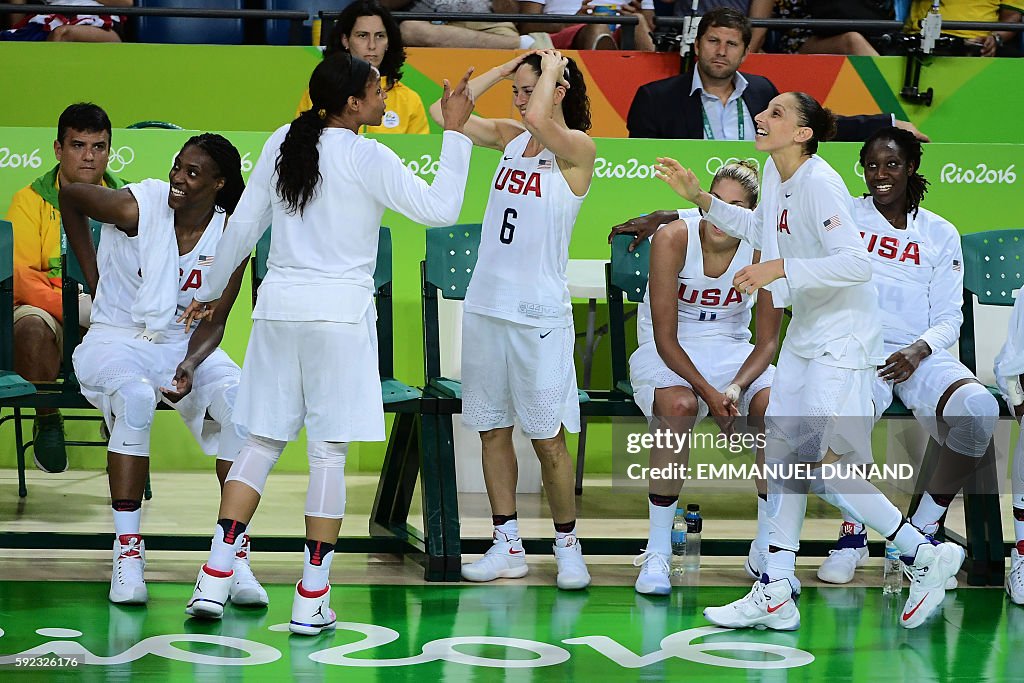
(781, 565)
(222, 554)
(908, 539)
(560, 535)
(526, 42)
(659, 537)
(316, 577)
(1018, 529)
(1018, 486)
(127, 522)
(927, 512)
(510, 529)
(761, 539)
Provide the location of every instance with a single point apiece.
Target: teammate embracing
(517, 342)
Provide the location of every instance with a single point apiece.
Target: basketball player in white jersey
(695, 355)
(517, 335)
(820, 410)
(917, 267)
(122, 373)
(312, 356)
(1009, 369)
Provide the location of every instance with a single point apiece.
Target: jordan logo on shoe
(320, 611)
(907, 615)
(773, 610)
(199, 582)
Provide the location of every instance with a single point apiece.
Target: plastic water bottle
(892, 571)
(678, 545)
(694, 524)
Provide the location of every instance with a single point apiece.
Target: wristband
(733, 391)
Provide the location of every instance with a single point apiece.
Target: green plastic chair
(11, 383)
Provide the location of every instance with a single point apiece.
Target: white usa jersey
(708, 306)
(117, 259)
(918, 273)
(524, 242)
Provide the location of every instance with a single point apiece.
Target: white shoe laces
(129, 570)
(651, 562)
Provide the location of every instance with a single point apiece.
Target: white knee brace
(256, 458)
(133, 405)
(971, 413)
(222, 410)
(326, 494)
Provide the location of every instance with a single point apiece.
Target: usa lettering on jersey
(891, 247)
(708, 297)
(515, 181)
(193, 281)
(784, 222)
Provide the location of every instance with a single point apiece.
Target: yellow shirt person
(962, 10)
(404, 112)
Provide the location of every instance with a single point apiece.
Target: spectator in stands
(501, 35)
(718, 102)
(79, 28)
(807, 40)
(978, 43)
(82, 149)
(590, 36)
(369, 32)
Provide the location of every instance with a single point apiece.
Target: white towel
(157, 299)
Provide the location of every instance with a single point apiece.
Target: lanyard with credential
(710, 135)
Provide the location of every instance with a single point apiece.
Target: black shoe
(48, 443)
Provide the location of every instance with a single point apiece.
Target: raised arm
(81, 201)
(573, 146)
(493, 133)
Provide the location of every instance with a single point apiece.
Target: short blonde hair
(744, 173)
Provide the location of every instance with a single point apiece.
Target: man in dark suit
(717, 101)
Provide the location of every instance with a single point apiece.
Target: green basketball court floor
(505, 632)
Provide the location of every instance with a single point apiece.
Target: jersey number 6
(507, 229)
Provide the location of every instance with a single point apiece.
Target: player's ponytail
(334, 80)
(819, 119)
(229, 166)
(910, 148)
(576, 103)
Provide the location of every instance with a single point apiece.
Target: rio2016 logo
(424, 165)
(684, 645)
(978, 175)
(630, 169)
(9, 159)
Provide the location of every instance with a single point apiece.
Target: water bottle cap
(693, 507)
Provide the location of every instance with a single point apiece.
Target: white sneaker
(931, 570)
(771, 605)
(210, 594)
(841, 564)
(127, 585)
(654, 573)
(1015, 579)
(757, 561)
(245, 589)
(311, 615)
(572, 570)
(505, 559)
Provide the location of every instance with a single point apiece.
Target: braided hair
(910, 148)
(229, 166)
(338, 77)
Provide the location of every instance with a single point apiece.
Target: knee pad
(133, 406)
(254, 461)
(1018, 473)
(971, 413)
(221, 409)
(325, 496)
